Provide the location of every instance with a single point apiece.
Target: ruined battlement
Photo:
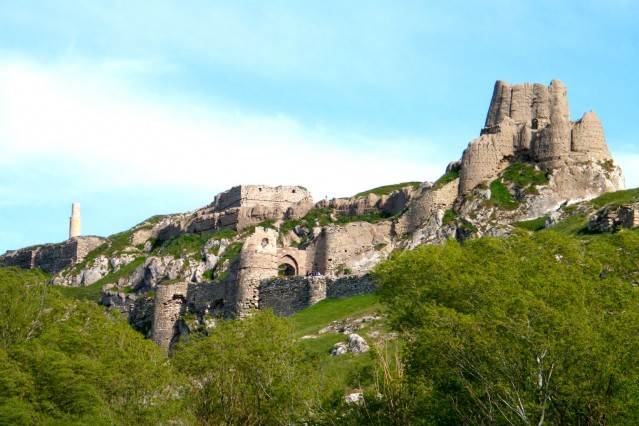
(281, 197)
(52, 258)
(531, 123)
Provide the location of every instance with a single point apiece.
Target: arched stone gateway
(287, 266)
(291, 261)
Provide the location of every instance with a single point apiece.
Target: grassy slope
(318, 316)
(577, 224)
(387, 189)
(346, 371)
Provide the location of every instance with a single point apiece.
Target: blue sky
(141, 108)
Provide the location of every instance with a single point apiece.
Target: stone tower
(75, 222)
(531, 123)
(258, 261)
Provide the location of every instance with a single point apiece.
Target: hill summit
(258, 247)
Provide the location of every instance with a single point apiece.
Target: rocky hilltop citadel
(258, 247)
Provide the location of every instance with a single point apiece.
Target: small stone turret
(75, 222)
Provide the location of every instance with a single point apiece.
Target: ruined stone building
(287, 268)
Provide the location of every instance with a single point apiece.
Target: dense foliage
(67, 362)
(537, 328)
(534, 329)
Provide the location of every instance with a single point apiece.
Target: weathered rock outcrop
(388, 205)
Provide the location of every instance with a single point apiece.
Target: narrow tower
(75, 224)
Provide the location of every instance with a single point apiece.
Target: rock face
(52, 258)
(531, 123)
(388, 205)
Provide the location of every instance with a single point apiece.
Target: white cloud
(80, 127)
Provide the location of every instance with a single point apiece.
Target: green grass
(372, 217)
(346, 371)
(618, 198)
(446, 178)
(188, 243)
(524, 175)
(387, 189)
(531, 225)
(91, 292)
(231, 251)
(572, 225)
(500, 196)
(449, 216)
(318, 316)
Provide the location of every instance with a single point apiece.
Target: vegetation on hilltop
(387, 189)
(447, 178)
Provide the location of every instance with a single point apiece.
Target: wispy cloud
(80, 128)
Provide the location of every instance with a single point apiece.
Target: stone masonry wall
(52, 258)
(531, 122)
(353, 246)
(286, 296)
(258, 261)
(423, 206)
(610, 219)
(243, 206)
(169, 304)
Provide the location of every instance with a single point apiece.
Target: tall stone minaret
(75, 223)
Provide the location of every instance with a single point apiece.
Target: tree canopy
(532, 329)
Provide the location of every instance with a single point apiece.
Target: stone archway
(294, 258)
(288, 266)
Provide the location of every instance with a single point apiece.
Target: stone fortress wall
(531, 122)
(286, 296)
(52, 258)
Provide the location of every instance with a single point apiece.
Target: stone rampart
(389, 205)
(258, 261)
(286, 296)
(422, 207)
(52, 258)
(243, 206)
(356, 246)
(610, 219)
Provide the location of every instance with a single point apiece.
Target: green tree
(247, 372)
(73, 363)
(532, 329)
